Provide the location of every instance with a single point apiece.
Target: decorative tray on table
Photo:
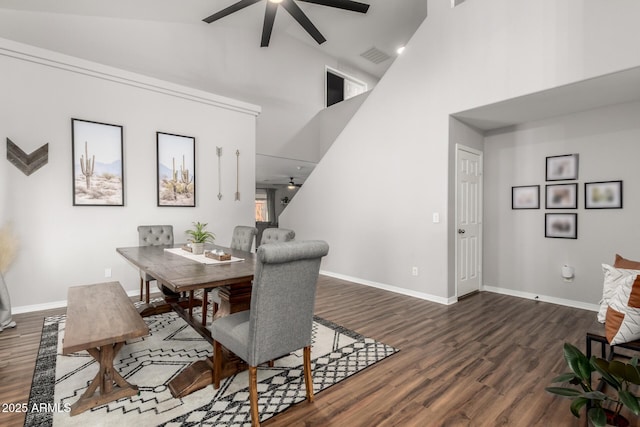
(220, 256)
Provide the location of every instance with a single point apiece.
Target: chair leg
(205, 303)
(141, 288)
(253, 396)
(308, 377)
(217, 364)
(147, 288)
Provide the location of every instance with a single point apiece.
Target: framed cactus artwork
(176, 170)
(98, 173)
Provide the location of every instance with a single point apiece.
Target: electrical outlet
(414, 271)
(107, 272)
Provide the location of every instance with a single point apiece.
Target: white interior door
(468, 220)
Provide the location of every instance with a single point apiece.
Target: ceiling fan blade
(269, 18)
(303, 20)
(229, 10)
(342, 4)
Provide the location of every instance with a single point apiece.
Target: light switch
(436, 217)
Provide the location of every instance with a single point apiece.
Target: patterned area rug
(152, 361)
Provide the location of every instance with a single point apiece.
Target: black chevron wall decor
(27, 163)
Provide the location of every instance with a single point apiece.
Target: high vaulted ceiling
(387, 25)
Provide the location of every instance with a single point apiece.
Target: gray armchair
(274, 235)
(152, 235)
(281, 314)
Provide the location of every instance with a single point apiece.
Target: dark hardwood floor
(481, 362)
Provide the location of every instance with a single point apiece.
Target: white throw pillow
(623, 315)
(613, 277)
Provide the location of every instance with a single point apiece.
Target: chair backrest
(243, 238)
(155, 235)
(275, 235)
(283, 298)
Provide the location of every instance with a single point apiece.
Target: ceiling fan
(293, 9)
(293, 185)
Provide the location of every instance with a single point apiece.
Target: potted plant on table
(199, 236)
(603, 409)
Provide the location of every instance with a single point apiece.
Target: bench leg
(108, 383)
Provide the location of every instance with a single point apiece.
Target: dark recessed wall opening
(335, 89)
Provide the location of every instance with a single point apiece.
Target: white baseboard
(390, 288)
(51, 305)
(544, 298)
(453, 300)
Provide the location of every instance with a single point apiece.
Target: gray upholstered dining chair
(152, 235)
(280, 318)
(242, 240)
(271, 235)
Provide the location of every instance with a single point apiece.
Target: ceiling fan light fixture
(292, 185)
(276, 1)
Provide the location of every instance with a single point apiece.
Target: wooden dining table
(183, 276)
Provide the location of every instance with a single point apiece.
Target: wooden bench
(100, 318)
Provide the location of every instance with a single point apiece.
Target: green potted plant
(603, 409)
(199, 236)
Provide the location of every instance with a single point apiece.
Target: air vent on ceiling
(375, 55)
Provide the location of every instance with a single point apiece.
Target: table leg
(108, 383)
(233, 298)
(166, 306)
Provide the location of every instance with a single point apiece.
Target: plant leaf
(602, 366)
(631, 374)
(564, 391)
(577, 361)
(564, 378)
(577, 404)
(597, 417)
(595, 395)
(617, 368)
(630, 401)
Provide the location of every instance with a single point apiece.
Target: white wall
(62, 245)
(518, 258)
(315, 138)
(396, 153)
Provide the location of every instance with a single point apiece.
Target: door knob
(460, 231)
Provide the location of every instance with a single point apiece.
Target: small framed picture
(561, 225)
(98, 174)
(176, 170)
(562, 168)
(562, 196)
(525, 197)
(603, 195)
